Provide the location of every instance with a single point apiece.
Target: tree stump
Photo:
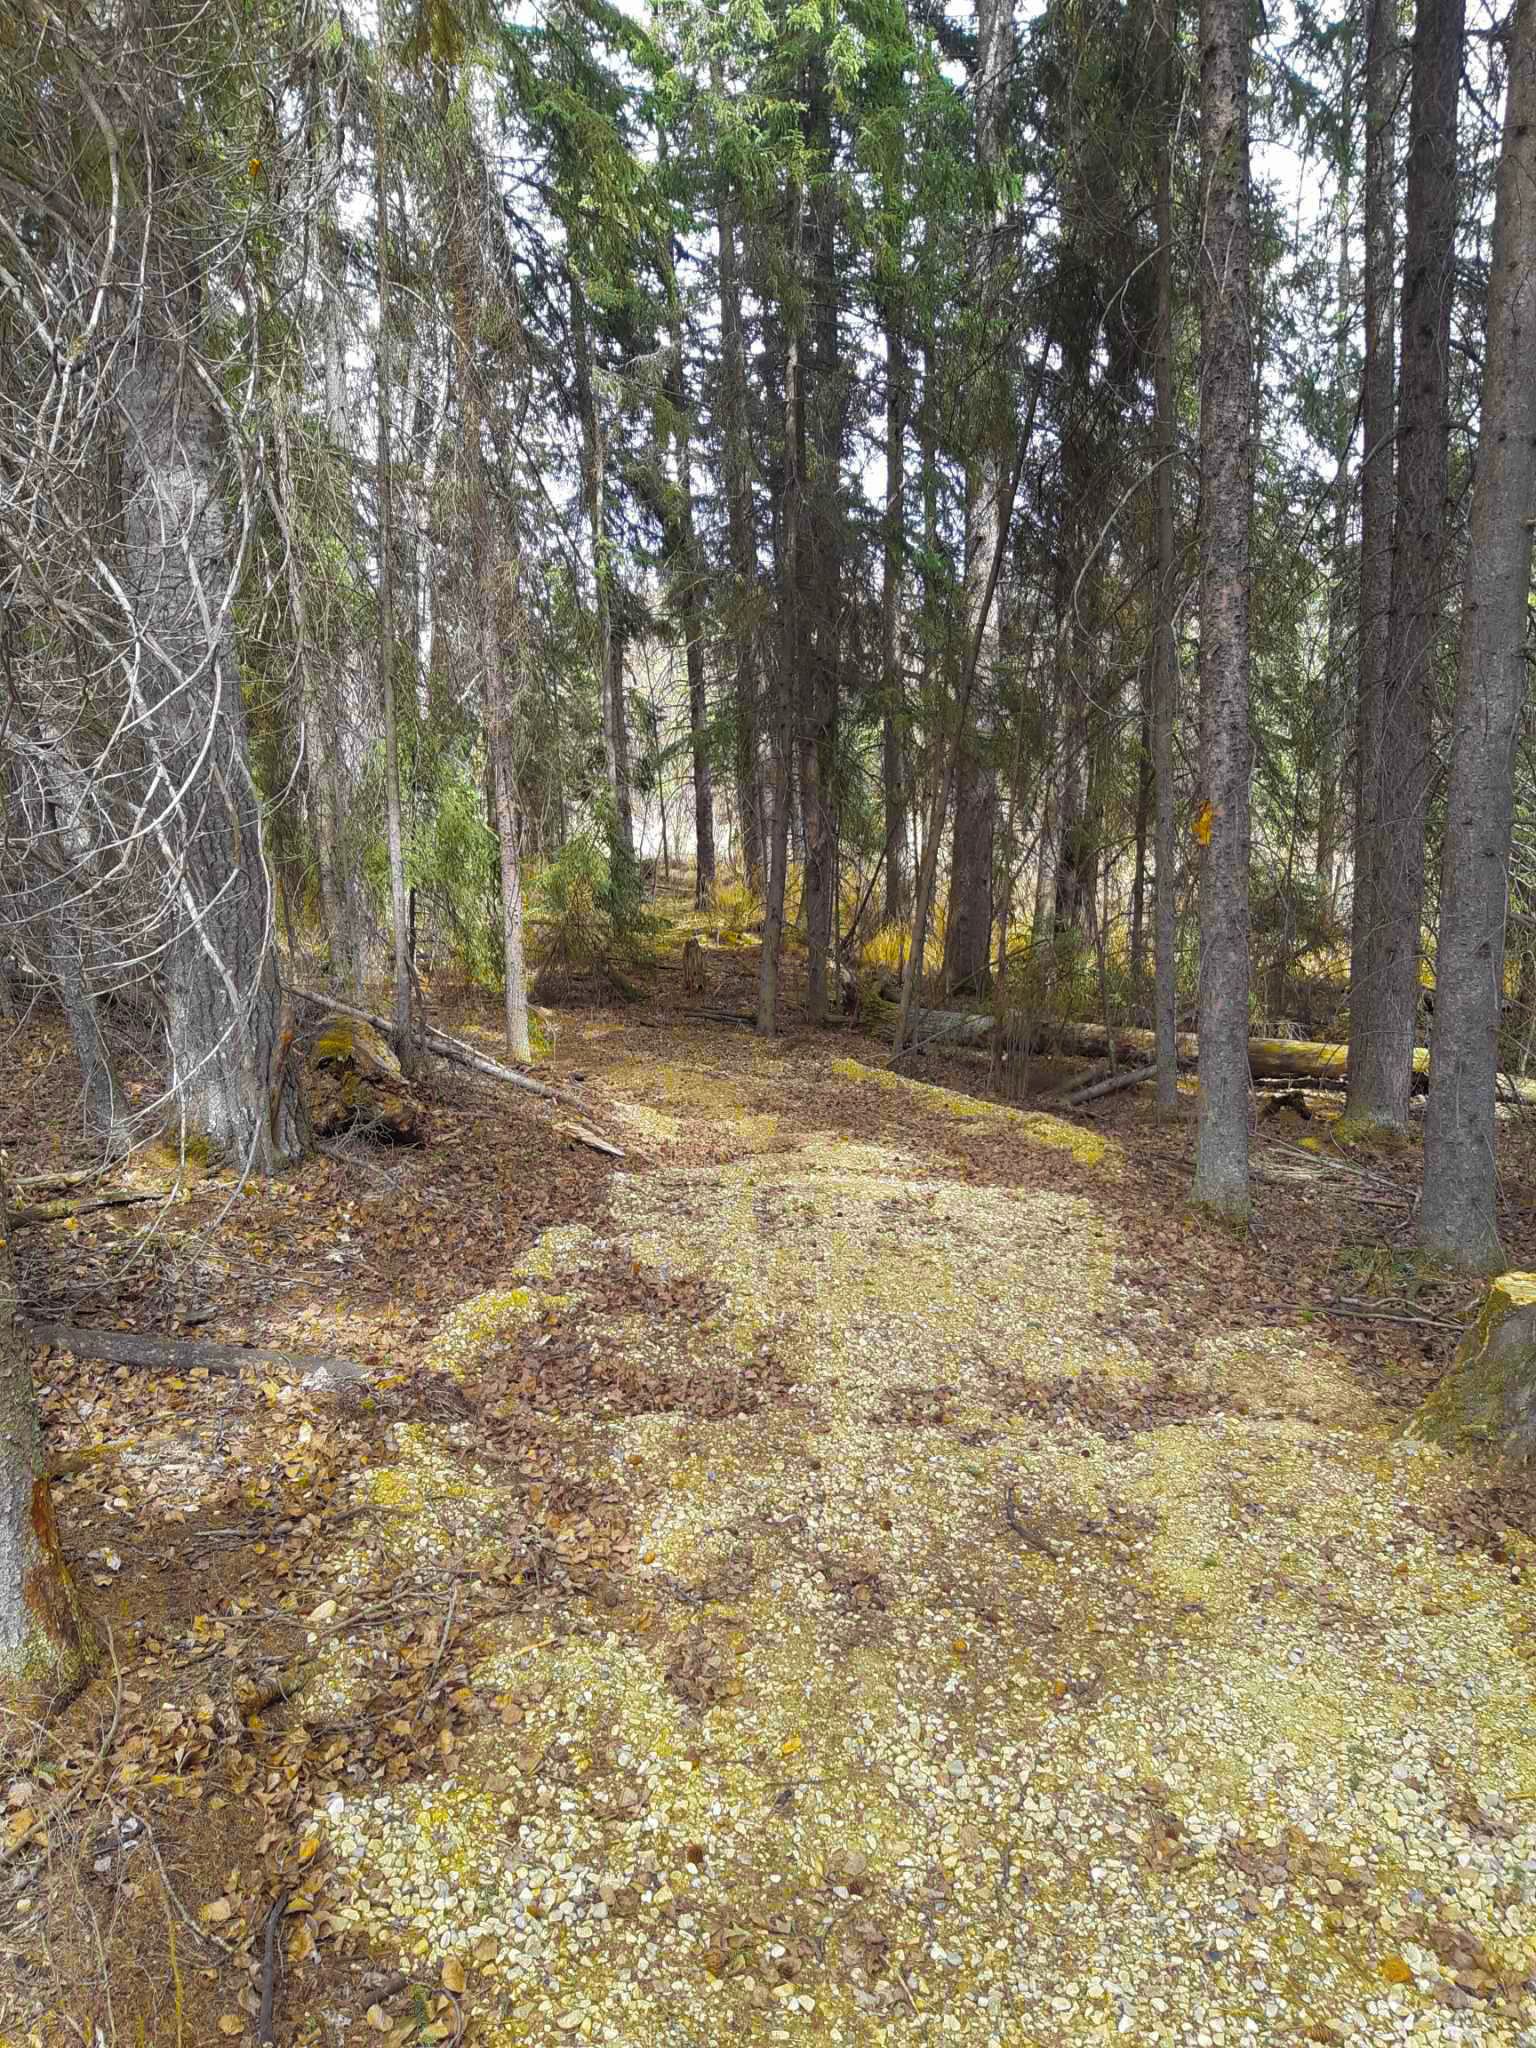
(1487, 1401)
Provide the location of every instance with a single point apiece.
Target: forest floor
(869, 1565)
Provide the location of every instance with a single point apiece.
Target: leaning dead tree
(131, 383)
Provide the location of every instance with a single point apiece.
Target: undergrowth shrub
(590, 919)
(738, 908)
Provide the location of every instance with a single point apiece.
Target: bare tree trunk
(403, 1037)
(1384, 1006)
(1326, 720)
(1458, 1218)
(821, 565)
(500, 741)
(610, 642)
(1377, 481)
(48, 1646)
(968, 926)
(340, 883)
(792, 632)
(1165, 651)
(231, 1076)
(736, 476)
(893, 764)
(1226, 497)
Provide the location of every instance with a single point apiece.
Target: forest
(591, 590)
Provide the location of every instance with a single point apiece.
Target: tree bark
(1377, 476)
(1226, 495)
(791, 627)
(968, 923)
(610, 641)
(230, 1075)
(1165, 652)
(48, 1646)
(893, 763)
(1383, 1006)
(821, 563)
(1458, 1218)
(397, 901)
(736, 477)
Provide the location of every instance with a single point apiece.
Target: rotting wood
(67, 1206)
(445, 1048)
(264, 2025)
(585, 1137)
(1268, 1058)
(1128, 1077)
(185, 1354)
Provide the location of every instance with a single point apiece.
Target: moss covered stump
(1487, 1401)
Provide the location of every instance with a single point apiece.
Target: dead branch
(264, 2033)
(184, 1354)
(585, 1137)
(445, 1048)
(77, 1205)
(1128, 1077)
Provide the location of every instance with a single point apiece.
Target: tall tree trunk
(325, 710)
(1226, 496)
(736, 468)
(687, 582)
(968, 926)
(893, 762)
(1165, 651)
(821, 565)
(791, 626)
(610, 648)
(499, 710)
(231, 1076)
(1326, 721)
(1384, 1007)
(1458, 1218)
(405, 1048)
(496, 596)
(1378, 386)
(48, 1646)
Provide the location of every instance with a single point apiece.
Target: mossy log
(1487, 1401)
(1271, 1059)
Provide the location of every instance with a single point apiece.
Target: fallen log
(1128, 1077)
(78, 1205)
(186, 1354)
(446, 1048)
(1269, 1059)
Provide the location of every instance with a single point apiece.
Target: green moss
(1085, 1146)
(1487, 1401)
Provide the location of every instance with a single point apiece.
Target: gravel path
(965, 1692)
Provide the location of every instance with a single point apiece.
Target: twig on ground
(1348, 1310)
(585, 1137)
(202, 1933)
(264, 2033)
(442, 1644)
(1022, 1528)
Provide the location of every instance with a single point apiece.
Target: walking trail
(957, 1659)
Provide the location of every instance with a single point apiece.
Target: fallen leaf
(453, 1974)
